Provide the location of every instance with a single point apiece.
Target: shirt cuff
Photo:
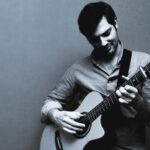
(48, 105)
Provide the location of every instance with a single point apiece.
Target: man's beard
(103, 53)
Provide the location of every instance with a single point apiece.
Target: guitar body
(53, 136)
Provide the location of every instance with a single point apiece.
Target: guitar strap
(114, 115)
(124, 66)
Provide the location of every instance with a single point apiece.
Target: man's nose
(103, 41)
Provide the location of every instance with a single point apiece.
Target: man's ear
(116, 23)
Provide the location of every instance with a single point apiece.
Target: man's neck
(109, 64)
(114, 58)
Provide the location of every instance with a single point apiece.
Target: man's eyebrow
(108, 30)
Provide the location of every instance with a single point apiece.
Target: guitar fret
(111, 100)
(146, 67)
(108, 103)
(130, 82)
(90, 117)
(95, 113)
(102, 106)
(136, 79)
(115, 96)
(105, 105)
(93, 116)
(99, 109)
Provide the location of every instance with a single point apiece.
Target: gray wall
(39, 39)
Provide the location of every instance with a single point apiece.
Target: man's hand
(127, 94)
(66, 120)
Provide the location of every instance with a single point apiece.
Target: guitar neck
(112, 99)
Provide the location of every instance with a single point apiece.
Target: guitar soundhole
(86, 129)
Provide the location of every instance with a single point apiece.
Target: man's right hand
(66, 120)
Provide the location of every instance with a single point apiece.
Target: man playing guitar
(123, 124)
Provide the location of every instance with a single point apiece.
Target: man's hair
(91, 14)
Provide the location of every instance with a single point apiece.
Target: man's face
(105, 38)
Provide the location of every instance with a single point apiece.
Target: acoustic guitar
(93, 106)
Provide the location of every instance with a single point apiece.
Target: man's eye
(106, 33)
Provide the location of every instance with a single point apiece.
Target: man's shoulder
(140, 54)
(85, 61)
(143, 56)
(80, 65)
(140, 58)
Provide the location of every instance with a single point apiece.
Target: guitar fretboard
(112, 99)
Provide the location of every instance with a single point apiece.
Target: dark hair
(91, 14)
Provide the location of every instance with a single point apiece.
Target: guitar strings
(95, 112)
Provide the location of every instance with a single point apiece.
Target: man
(99, 72)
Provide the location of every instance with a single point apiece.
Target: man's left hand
(127, 94)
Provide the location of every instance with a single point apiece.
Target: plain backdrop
(39, 40)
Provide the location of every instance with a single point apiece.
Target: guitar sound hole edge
(86, 129)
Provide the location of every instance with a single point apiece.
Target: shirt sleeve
(60, 95)
(143, 104)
